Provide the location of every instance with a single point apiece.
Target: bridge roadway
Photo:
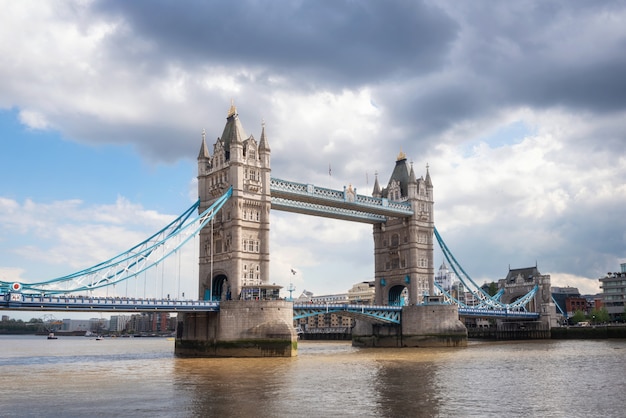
(59, 303)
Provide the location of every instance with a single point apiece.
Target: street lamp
(291, 287)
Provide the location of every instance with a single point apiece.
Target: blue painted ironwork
(497, 313)
(34, 302)
(381, 314)
(385, 314)
(289, 196)
(558, 307)
(130, 263)
(485, 301)
(347, 205)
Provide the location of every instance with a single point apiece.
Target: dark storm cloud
(566, 55)
(548, 54)
(318, 43)
(430, 65)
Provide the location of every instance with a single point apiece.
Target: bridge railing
(81, 303)
(382, 313)
(499, 313)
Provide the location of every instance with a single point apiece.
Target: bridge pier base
(429, 325)
(239, 329)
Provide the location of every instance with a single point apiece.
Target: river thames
(140, 377)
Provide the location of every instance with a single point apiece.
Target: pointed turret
(412, 179)
(204, 151)
(264, 149)
(263, 144)
(204, 158)
(233, 133)
(377, 192)
(412, 186)
(399, 178)
(429, 182)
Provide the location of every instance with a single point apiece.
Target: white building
(445, 277)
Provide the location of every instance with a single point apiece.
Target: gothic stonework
(403, 247)
(238, 237)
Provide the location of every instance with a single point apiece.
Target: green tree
(578, 316)
(493, 288)
(600, 316)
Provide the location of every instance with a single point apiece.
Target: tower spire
(377, 192)
(204, 151)
(429, 182)
(412, 178)
(263, 144)
(233, 109)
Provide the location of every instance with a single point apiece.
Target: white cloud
(34, 119)
(585, 285)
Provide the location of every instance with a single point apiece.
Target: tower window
(395, 240)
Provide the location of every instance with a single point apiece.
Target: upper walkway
(346, 205)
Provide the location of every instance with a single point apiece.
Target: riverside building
(613, 287)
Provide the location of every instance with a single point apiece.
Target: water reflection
(332, 379)
(230, 387)
(142, 378)
(407, 388)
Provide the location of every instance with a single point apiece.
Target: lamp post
(291, 287)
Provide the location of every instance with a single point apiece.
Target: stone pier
(240, 329)
(429, 325)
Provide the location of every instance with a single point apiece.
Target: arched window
(395, 240)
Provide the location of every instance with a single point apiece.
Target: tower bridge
(239, 314)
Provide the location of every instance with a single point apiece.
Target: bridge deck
(384, 314)
(16, 301)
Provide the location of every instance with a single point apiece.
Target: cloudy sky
(518, 108)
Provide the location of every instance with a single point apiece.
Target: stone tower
(403, 247)
(234, 247)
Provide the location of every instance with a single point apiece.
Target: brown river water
(141, 377)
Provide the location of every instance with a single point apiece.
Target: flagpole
(330, 186)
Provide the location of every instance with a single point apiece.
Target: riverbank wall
(589, 333)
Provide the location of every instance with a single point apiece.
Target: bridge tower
(404, 270)
(403, 247)
(234, 250)
(234, 256)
